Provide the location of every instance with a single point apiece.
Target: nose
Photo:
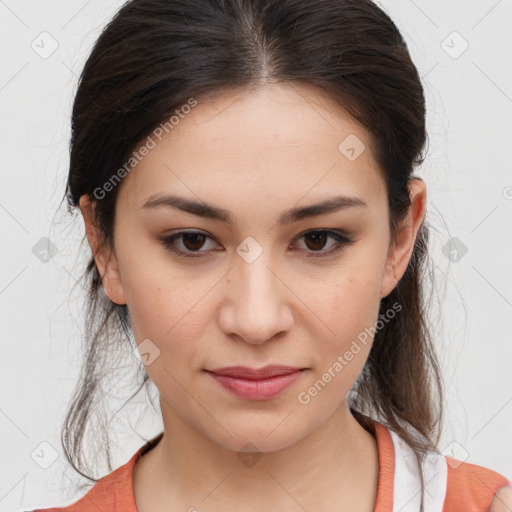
(257, 301)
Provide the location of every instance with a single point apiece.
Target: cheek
(163, 310)
(160, 298)
(347, 309)
(350, 310)
(349, 300)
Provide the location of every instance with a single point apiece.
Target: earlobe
(111, 282)
(400, 254)
(388, 284)
(104, 256)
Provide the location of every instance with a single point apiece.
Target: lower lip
(257, 389)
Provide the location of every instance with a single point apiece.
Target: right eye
(190, 242)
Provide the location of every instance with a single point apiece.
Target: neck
(339, 462)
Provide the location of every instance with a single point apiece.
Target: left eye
(318, 239)
(193, 241)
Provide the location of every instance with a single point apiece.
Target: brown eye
(316, 240)
(191, 243)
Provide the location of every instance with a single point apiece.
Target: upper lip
(245, 372)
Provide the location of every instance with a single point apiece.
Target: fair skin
(502, 500)
(256, 154)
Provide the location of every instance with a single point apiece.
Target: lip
(256, 384)
(244, 372)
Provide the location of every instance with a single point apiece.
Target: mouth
(256, 384)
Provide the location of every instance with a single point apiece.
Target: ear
(400, 253)
(104, 254)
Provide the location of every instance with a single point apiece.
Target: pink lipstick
(256, 384)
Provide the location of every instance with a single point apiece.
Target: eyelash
(343, 241)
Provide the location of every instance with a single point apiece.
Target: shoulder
(502, 501)
(113, 492)
(476, 487)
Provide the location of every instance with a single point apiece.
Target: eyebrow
(296, 214)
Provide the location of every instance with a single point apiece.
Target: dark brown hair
(154, 56)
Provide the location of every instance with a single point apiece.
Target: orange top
(451, 485)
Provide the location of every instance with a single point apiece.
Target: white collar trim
(407, 483)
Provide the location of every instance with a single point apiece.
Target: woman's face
(262, 288)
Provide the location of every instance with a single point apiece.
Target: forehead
(278, 144)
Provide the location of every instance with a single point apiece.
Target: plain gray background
(469, 179)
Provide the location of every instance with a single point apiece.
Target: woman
(244, 171)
